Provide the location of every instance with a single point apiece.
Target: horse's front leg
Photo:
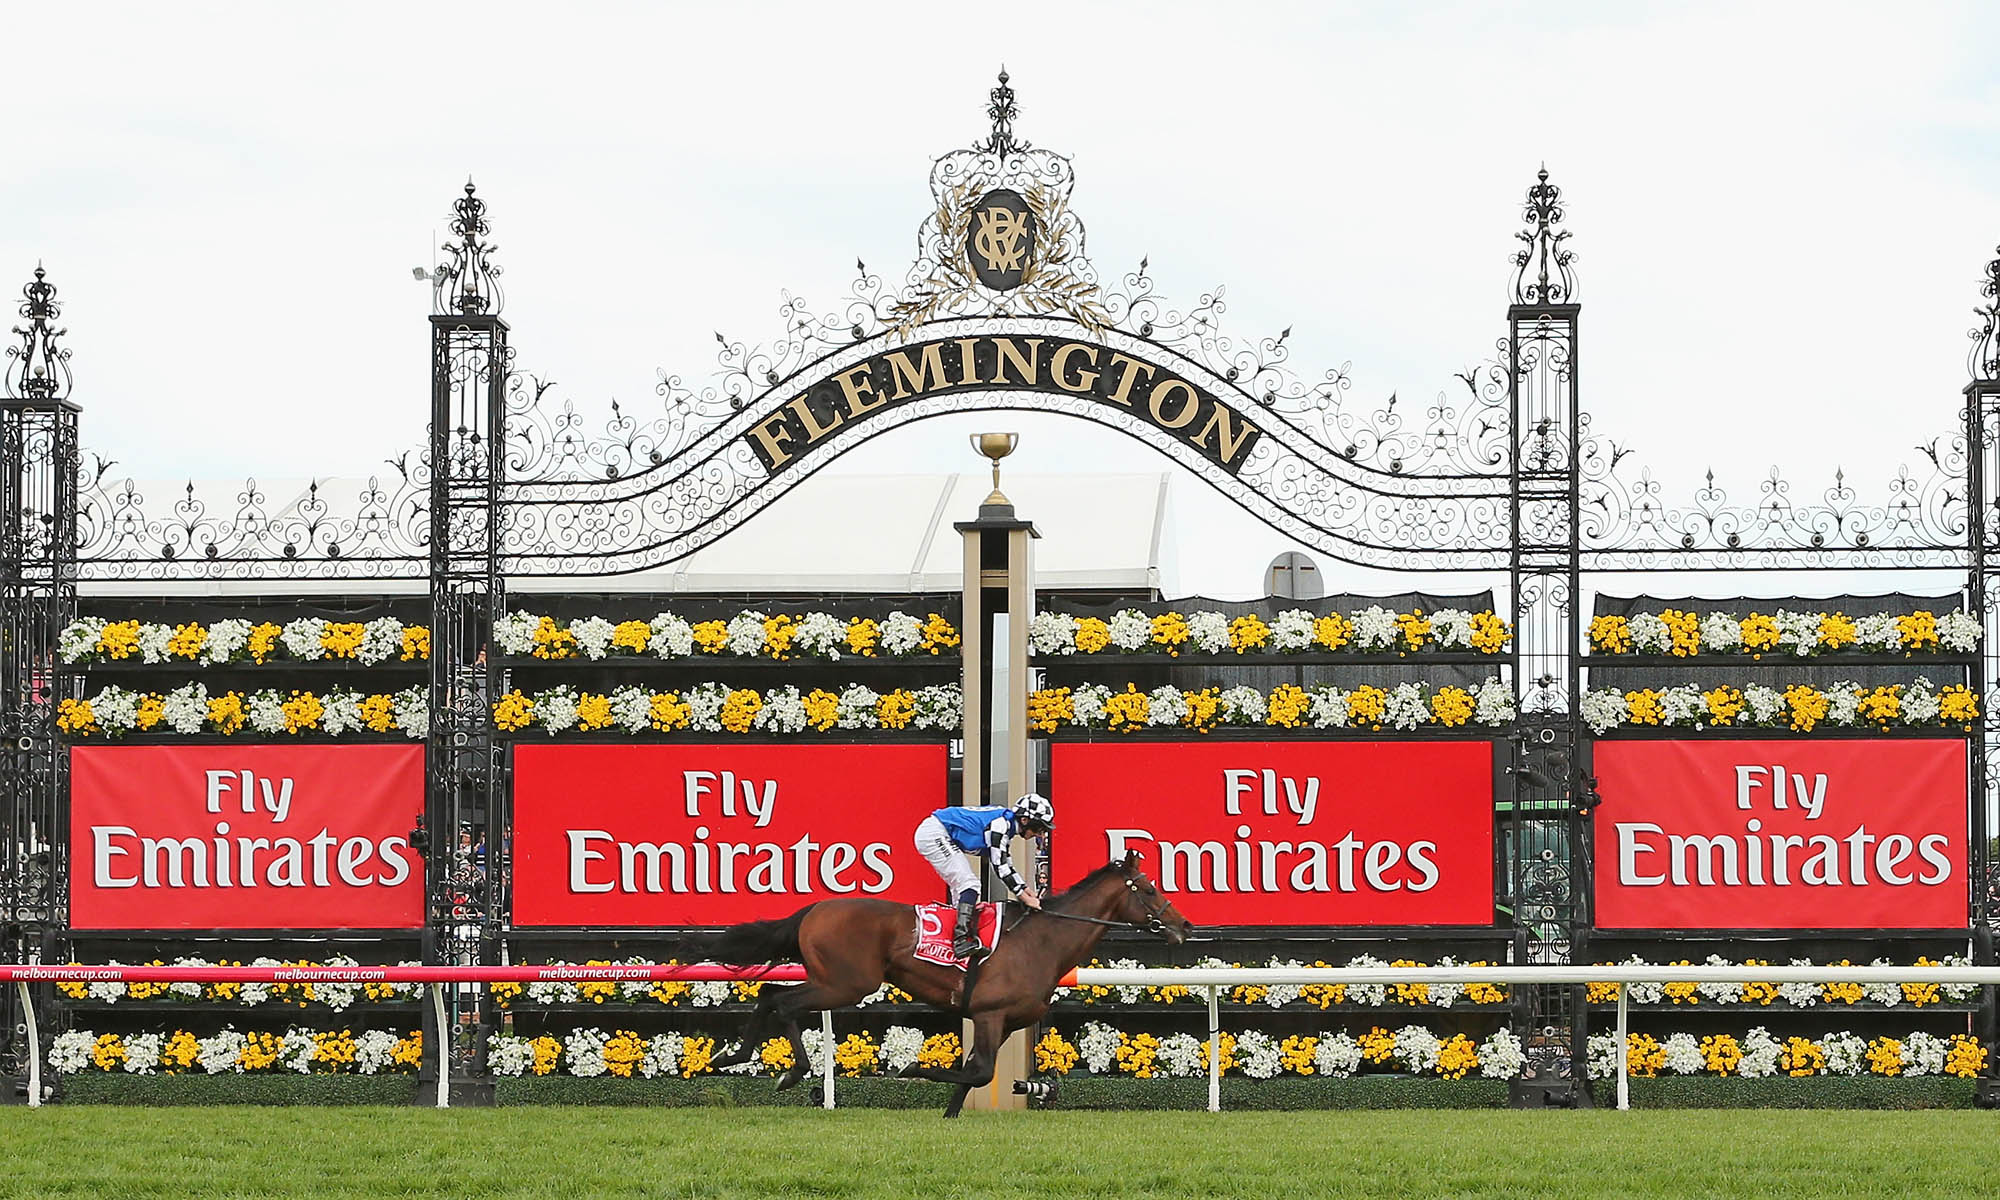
(745, 1049)
(797, 1001)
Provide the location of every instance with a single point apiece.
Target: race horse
(852, 945)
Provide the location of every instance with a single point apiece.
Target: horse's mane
(1088, 881)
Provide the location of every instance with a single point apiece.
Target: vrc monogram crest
(1000, 240)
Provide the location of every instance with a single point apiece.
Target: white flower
(1720, 993)
(632, 709)
(1494, 703)
(295, 1051)
(1280, 994)
(663, 1055)
(1258, 1054)
(515, 633)
(1451, 628)
(301, 638)
(593, 636)
(1798, 631)
(1959, 992)
(1846, 1054)
(1329, 707)
(78, 639)
(70, 1052)
(1366, 993)
(342, 712)
(1683, 1054)
(1765, 704)
(1802, 995)
(1650, 634)
(374, 1051)
(1337, 1055)
(1603, 1055)
(900, 1047)
(900, 634)
(1165, 705)
(1418, 1047)
(784, 711)
(381, 640)
(822, 635)
(153, 641)
(1683, 705)
(1721, 632)
(1181, 1055)
(671, 637)
(708, 993)
(509, 1056)
(1878, 631)
(1406, 708)
(1291, 631)
(1920, 703)
(117, 710)
(1375, 628)
(940, 706)
(185, 709)
(1088, 701)
(1049, 633)
(1843, 704)
(705, 701)
(746, 634)
(1500, 1056)
(1604, 709)
(1923, 1054)
(1209, 631)
(142, 1053)
(1958, 631)
(555, 709)
(1760, 1055)
(583, 1052)
(221, 1053)
(1131, 629)
(1243, 706)
(1096, 1045)
(413, 711)
(857, 706)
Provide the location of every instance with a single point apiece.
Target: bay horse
(852, 945)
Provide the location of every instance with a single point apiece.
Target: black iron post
(38, 480)
(463, 774)
(1982, 443)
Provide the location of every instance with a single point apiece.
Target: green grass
(218, 1153)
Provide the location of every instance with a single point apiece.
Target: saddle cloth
(935, 923)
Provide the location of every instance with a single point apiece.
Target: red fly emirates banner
(245, 837)
(1287, 833)
(1782, 834)
(715, 834)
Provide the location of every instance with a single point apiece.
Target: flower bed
(623, 1053)
(297, 1051)
(1760, 1055)
(1320, 996)
(336, 997)
(189, 710)
(1372, 630)
(1789, 995)
(719, 708)
(1682, 634)
(1098, 1049)
(748, 634)
(1406, 706)
(307, 639)
(1799, 708)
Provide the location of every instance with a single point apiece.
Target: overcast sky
(1781, 212)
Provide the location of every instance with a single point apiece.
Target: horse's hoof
(790, 1079)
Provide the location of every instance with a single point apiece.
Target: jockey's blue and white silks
(983, 830)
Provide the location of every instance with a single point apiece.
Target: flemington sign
(1171, 403)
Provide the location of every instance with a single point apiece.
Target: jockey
(949, 834)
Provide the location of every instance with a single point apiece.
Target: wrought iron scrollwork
(1983, 361)
(38, 367)
(468, 281)
(1543, 266)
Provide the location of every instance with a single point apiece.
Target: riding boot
(965, 940)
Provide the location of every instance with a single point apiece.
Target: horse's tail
(752, 942)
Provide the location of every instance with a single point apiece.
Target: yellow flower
(1048, 708)
(623, 1052)
(1054, 1054)
(1452, 706)
(1457, 1056)
(940, 1050)
(107, 1052)
(1681, 992)
(1807, 705)
(1323, 995)
(76, 718)
(1411, 993)
(1684, 630)
(746, 991)
(553, 640)
(225, 712)
(1288, 706)
(740, 710)
(1413, 629)
(1367, 705)
(1248, 993)
(341, 639)
(939, 634)
(1882, 704)
(862, 636)
(1248, 632)
(335, 1049)
(1610, 635)
(302, 712)
(1600, 992)
(379, 712)
(1966, 1058)
(896, 709)
(1721, 1054)
(1957, 705)
(416, 643)
(1802, 1056)
(669, 991)
(1127, 709)
(1092, 635)
(778, 634)
(1760, 633)
(548, 1054)
(1485, 992)
(1490, 634)
(710, 637)
(1203, 707)
(669, 712)
(260, 1050)
(822, 709)
(776, 1055)
(1921, 995)
(513, 711)
(1333, 631)
(1759, 992)
(119, 639)
(1137, 1053)
(149, 711)
(504, 994)
(1644, 1056)
(1378, 1045)
(1918, 631)
(263, 640)
(593, 711)
(187, 641)
(1725, 704)
(1836, 630)
(408, 1050)
(1295, 1054)
(1170, 629)
(180, 1052)
(856, 1053)
(1885, 1056)
(631, 635)
(1645, 706)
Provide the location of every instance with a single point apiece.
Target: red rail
(76, 973)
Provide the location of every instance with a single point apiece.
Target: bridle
(1155, 922)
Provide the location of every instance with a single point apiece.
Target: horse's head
(1143, 904)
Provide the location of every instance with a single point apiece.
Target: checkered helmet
(1036, 809)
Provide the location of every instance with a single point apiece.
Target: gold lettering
(1085, 380)
(1188, 407)
(814, 430)
(968, 365)
(1028, 367)
(771, 433)
(854, 389)
(1130, 375)
(1227, 444)
(910, 378)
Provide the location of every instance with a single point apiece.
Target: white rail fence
(1211, 980)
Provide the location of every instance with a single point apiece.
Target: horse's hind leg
(957, 1100)
(746, 1049)
(796, 1002)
